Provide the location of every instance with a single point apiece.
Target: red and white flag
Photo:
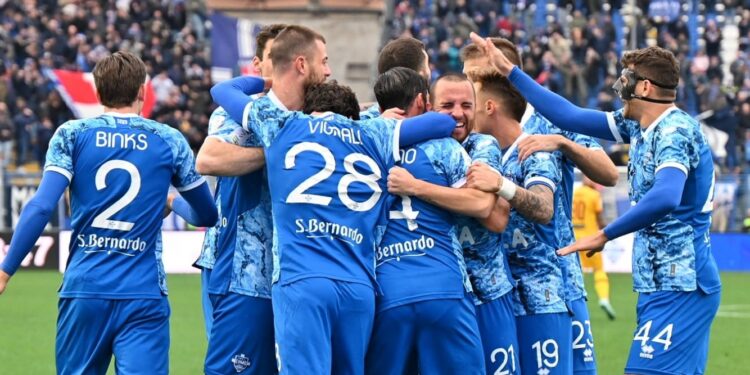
(79, 92)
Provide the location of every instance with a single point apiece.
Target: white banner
(618, 254)
(180, 250)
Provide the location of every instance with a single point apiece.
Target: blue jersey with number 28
(328, 189)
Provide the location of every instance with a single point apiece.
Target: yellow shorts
(593, 263)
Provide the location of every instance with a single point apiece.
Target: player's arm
(499, 217)
(555, 108)
(430, 125)
(234, 95)
(536, 203)
(219, 158)
(196, 206)
(34, 218)
(663, 197)
(593, 162)
(464, 201)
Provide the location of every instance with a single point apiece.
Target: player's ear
(490, 107)
(300, 64)
(256, 64)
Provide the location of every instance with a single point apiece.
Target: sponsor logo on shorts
(588, 355)
(240, 362)
(647, 351)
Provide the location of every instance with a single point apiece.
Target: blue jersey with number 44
(120, 168)
(326, 176)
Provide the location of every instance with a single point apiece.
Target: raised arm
(557, 109)
(234, 94)
(34, 218)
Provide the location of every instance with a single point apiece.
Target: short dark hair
(655, 63)
(472, 51)
(266, 33)
(497, 85)
(398, 87)
(404, 52)
(447, 77)
(118, 78)
(331, 97)
(293, 41)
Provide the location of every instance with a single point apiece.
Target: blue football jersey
(370, 113)
(120, 168)
(535, 123)
(486, 261)
(328, 189)
(244, 263)
(531, 246)
(675, 252)
(419, 257)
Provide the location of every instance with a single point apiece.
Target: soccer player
(425, 314)
(531, 188)
(406, 52)
(575, 150)
(119, 167)
(671, 182)
(240, 283)
(587, 220)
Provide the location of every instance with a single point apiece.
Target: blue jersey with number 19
(325, 175)
(120, 168)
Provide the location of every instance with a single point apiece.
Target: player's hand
(4, 278)
(168, 206)
(539, 142)
(401, 182)
(481, 177)
(496, 56)
(591, 244)
(394, 113)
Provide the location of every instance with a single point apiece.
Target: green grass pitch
(28, 313)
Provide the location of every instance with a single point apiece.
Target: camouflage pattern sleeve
(676, 143)
(622, 128)
(60, 151)
(542, 168)
(265, 119)
(583, 140)
(449, 160)
(184, 177)
(384, 132)
(222, 127)
(485, 149)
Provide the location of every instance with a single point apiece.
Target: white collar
(527, 114)
(658, 120)
(275, 100)
(512, 147)
(118, 114)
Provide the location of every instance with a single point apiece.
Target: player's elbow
(496, 225)
(545, 214)
(609, 177)
(203, 165)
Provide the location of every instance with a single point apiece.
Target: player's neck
(651, 112)
(289, 92)
(134, 108)
(506, 132)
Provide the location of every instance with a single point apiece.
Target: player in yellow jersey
(587, 220)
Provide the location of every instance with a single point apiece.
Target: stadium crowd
(170, 37)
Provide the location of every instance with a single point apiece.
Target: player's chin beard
(313, 79)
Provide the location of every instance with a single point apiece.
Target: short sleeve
(674, 145)
(60, 152)
(185, 176)
(542, 168)
(385, 133)
(458, 162)
(265, 119)
(222, 127)
(487, 151)
(622, 128)
(370, 113)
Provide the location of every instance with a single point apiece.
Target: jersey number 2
(102, 220)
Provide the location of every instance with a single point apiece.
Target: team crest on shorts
(240, 362)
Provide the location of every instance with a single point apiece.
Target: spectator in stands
(26, 124)
(6, 135)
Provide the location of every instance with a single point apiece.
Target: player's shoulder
(677, 120)
(78, 125)
(480, 141)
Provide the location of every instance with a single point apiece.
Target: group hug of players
(430, 233)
